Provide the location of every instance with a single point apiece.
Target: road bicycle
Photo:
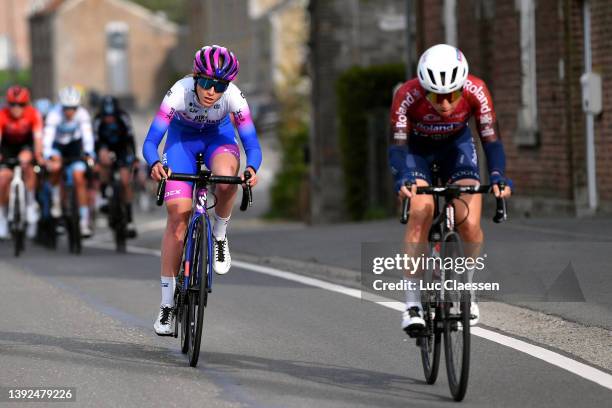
(195, 278)
(447, 311)
(17, 206)
(117, 209)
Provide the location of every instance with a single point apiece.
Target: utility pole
(408, 39)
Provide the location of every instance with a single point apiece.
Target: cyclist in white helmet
(68, 137)
(429, 120)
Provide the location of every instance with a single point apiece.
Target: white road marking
(580, 369)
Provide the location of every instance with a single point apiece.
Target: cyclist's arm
(488, 131)
(37, 131)
(129, 132)
(49, 131)
(399, 154)
(173, 102)
(246, 130)
(87, 134)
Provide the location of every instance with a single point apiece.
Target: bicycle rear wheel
(118, 218)
(198, 291)
(456, 324)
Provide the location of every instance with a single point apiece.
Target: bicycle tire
(431, 343)
(75, 227)
(118, 218)
(198, 292)
(16, 227)
(456, 339)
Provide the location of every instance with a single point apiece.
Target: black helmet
(109, 105)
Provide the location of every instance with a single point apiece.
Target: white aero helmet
(442, 69)
(69, 97)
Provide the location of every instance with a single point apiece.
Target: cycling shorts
(12, 151)
(456, 158)
(182, 147)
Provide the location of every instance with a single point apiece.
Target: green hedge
(289, 191)
(361, 90)
(7, 79)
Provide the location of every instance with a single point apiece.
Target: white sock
(413, 297)
(84, 213)
(167, 289)
(220, 227)
(55, 194)
(30, 197)
(470, 277)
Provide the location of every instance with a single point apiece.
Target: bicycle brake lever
(406, 205)
(500, 211)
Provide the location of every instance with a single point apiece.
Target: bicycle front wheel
(456, 323)
(430, 343)
(198, 291)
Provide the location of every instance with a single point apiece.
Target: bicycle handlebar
(454, 191)
(207, 177)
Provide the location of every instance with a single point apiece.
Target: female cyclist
(200, 113)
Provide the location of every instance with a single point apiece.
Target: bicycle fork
(16, 199)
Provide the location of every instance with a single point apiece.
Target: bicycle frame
(199, 210)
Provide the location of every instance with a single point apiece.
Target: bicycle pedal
(165, 335)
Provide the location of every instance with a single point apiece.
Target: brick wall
(489, 35)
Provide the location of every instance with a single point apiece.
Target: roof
(46, 7)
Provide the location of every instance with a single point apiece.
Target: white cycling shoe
(85, 229)
(474, 313)
(412, 320)
(164, 325)
(223, 260)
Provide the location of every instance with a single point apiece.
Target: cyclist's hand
(507, 192)
(89, 161)
(404, 192)
(253, 180)
(158, 173)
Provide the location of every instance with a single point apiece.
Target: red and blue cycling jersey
(418, 131)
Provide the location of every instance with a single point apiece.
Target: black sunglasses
(21, 104)
(207, 83)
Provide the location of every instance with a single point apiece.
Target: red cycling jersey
(413, 114)
(19, 131)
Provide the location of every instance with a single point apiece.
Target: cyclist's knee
(225, 189)
(25, 158)
(470, 230)
(78, 176)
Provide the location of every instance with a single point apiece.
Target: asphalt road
(86, 322)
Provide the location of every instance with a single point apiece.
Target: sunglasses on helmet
(439, 98)
(207, 83)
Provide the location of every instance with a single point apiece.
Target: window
(527, 120)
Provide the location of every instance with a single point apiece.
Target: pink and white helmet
(442, 69)
(216, 62)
